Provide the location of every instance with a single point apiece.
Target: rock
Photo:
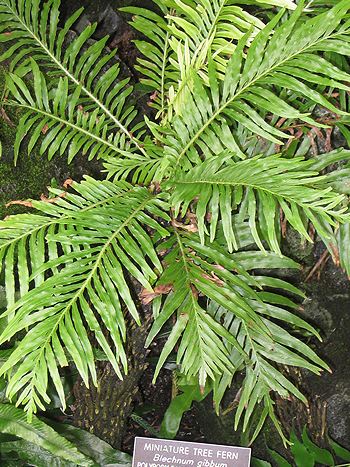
(338, 414)
(338, 139)
(102, 12)
(314, 313)
(296, 247)
(110, 22)
(328, 308)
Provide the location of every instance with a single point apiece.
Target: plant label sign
(149, 452)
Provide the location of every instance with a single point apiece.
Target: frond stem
(164, 62)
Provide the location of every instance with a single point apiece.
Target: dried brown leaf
(69, 182)
(213, 278)
(219, 267)
(154, 96)
(148, 296)
(194, 291)
(6, 117)
(188, 227)
(335, 254)
(27, 203)
(45, 199)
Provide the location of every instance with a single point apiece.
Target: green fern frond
(183, 40)
(87, 258)
(138, 169)
(201, 350)
(217, 25)
(238, 304)
(22, 238)
(101, 232)
(257, 185)
(13, 421)
(158, 73)
(36, 35)
(249, 88)
(193, 270)
(262, 377)
(208, 26)
(67, 126)
(336, 240)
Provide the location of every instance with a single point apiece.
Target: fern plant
(189, 208)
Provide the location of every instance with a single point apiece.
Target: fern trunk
(105, 410)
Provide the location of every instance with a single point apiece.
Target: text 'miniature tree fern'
(187, 212)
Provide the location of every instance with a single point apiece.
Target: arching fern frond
(157, 70)
(201, 336)
(83, 249)
(244, 309)
(67, 126)
(260, 185)
(263, 379)
(219, 23)
(200, 30)
(248, 87)
(280, 314)
(36, 34)
(209, 28)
